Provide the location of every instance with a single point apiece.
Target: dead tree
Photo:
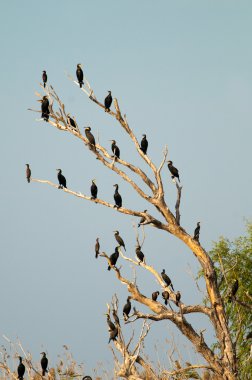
(223, 365)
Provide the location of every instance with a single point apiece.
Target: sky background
(181, 71)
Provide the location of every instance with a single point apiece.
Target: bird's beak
(40, 100)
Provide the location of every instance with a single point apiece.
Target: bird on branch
(144, 144)
(93, 189)
(113, 334)
(165, 296)
(45, 112)
(117, 197)
(90, 138)
(71, 121)
(110, 323)
(97, 248)
(197, 232)
(28, 173)
(20, 368)
(178, 297)
(115, 149)
(79, 74)
(126, 309)
(173, 170)
(233, 290)
(119, 239)
(113, 258)
(142, 220)
(61, 179)
(44, 77)
(140, 254)
(117, 321)
(44, 363)
(108, 101)
(166, 279)
(155, 295)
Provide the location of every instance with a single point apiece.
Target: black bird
(94, 189)
(119, 239)
(234, 290)
(155, 295)
(117, 197)
(79, 74)
(113, 334)
(173, 170)
(71, 121)
(178, 297)
(87, 378)
(115, 149)
(62, 180)
(97, 248)
(144, 144)
(45, 112)
(113, 258)
(108, 101)
(126, 309)
(28, 173)
(44, 363)
(90, 138)
(110, 323)
(197, 232)
(142, 220)
(165, 296)
(117, 321)
(20, 369)
(44, 77)
(140, 254)
(166, 279)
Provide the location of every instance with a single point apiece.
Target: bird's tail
(80, 83)
(44, 84)
(109, 267)
(28, 180)
(172, 287)
(43, 372)
(178, 179)
(96, 254)
(165, 301)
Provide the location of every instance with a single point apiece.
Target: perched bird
(71, 121)
(144, 144)
(90, 138)
(155, 295)
(113, 334)
(197, 232)
(108, 101)
(20, 369)
(113, 258)
(234, 290)
(126, 309)
(117, 197)
(119, 239)
(117, 321)
(142, 220)
(173, 170)
(44, 363)
(166, 279)
(165, 296)
(79, 74)
(110, 323)
(94, 189)
(178, 297)
(28, 173)
(140, 254)
(45, 112)
(62, 180)
(115, 149)
(44, 77)
(97, 248)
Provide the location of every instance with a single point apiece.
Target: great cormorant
(119, 239)
(126, 309)
(62, 180)
(234, 290)
(110, 323)
(28, 173)
(140, 254)
(71, 121)
(44, 363)
(113, 334)
(20, 369)
(155, 295)
(94, 189)
(178, 297)
(165, 296)
(90, 138)
(108, 101)
(44, 77)
(79, 74)
(45, 112)
(173, 170)
(142, 220)
(117, 197)
(117, 321)
(115, 149)
(197, 232)
(166, 279)
(144, 144)
(97, 248)
(113, 258)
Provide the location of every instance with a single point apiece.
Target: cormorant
(62, 180)
(20, 369)
(90, 137)
(44, 77)
(165, 296)
(113, 334)
(155, 295)
(234, 290)
(117, 321)
(115, 149)
(126, 309)
(71, 121)
(44, 363)
(28, 173)
(173, 170)
(166, 279)
(108, 101)
(117, 197)
(119, 239)
(113, 258)
(44, 108)
(110, 323)
(142, 220)
(97, 248)
(140, 254)
(79, 74)
(197, 232)
(94, 189)
(178, 297)
(144, 144)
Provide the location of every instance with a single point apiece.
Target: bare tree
(222, 365)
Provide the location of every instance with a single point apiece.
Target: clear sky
(182, 73)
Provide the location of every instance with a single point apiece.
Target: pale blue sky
(182, 73)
